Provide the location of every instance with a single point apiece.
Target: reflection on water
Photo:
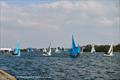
(88, 66)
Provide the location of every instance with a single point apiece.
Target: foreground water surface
(33, 66)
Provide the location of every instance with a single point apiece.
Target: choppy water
(88, 66)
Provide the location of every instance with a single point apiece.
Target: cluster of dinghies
(74, 51)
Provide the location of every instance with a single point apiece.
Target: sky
(36, 23)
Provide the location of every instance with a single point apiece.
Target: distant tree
(116, 48)
(87, 48)
(102, 48)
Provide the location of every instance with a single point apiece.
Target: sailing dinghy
(75, 50)
(93, 49)
(110, 51)
(17, 51)
(57, 50)
(48, 52)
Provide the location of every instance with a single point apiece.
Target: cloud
(106, 22)
(3, 4)
(58, 20)
(83, 6)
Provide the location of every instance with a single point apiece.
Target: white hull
(47, 53)
(108, 55)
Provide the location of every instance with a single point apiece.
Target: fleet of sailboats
(73, 52)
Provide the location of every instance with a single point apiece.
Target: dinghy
(44, 50)
(110, 51)
(93, 49)
(17, 51)
(48, 52)
(57, 50)
(29, 50)
(75, 50)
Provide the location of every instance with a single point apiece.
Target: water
(88, 66)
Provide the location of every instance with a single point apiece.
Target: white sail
(93, 49)
(48, 51)
(82, 49)
(57, 50)
(44, 50)
(110, 51)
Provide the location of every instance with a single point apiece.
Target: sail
(29, 49)
(49, 47)
(75, 50)
(57, 50)
(78, 49)
(93, 49)
(73, 42)
(48, 53)
(17, 50)
(82, 49)
(110, 52)
(44, 50)
(18, 53)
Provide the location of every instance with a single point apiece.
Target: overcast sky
(36, 23)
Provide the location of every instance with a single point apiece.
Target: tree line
(102, 48)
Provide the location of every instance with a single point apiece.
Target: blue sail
(73, 42)
(75, 50)
(78, 50)
(17, 50)
(30, 50)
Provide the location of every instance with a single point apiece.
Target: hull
(74, 55)
(108, 55)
